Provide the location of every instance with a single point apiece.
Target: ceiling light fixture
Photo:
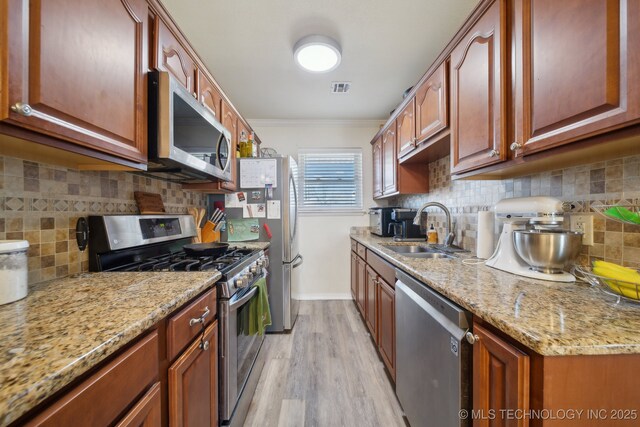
(317, 54)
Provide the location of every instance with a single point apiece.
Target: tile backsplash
(586, 185)
(41, 203)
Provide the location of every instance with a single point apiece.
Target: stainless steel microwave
(186, 142)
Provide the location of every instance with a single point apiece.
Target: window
(330, 180)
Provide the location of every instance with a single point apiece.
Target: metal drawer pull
(471, 337)
(22, 108)
(200, 319)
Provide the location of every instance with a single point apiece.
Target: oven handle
(237, 304)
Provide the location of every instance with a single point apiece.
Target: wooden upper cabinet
(500, 378)
(431, 105)
(389, 162)
(376, 149)
(478, 94)
(171, 56)
(406, 129)
(76, 71)
(579, 72)
(231, 122)
(208, 95)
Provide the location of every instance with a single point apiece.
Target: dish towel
(259, 312)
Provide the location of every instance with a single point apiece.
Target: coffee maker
(403, 227)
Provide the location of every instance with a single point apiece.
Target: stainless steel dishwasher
(433, 357)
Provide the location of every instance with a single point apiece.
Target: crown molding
(314, 123)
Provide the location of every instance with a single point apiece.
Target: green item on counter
(622, 213)
(259, 312)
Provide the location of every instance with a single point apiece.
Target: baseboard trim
(312, 297)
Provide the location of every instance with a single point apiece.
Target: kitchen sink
(418, 251)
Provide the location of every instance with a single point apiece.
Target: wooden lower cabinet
(147, 411)
(354, 275)
(361, 274)
(375, 299)
(371, 302)
(500, 379)
(103, 397)
(193, 383)
(387, 325)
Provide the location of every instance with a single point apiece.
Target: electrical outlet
(584, 224)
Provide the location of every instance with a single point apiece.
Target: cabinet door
(76, 71)
(477, 95)
(361, 300)
(354, 275)
(580, 72)
(431, 105)
(122, 380)
(377, 167)
(230, 121)
(389, 162)
(406, 129)
(208, 95)
(371, 316)
(387, 325)
(173, 58)
(193, 384)
(500, 377)
(146, 413)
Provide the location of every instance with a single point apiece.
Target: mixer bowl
(547, 251)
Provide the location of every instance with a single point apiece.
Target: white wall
(324, 239)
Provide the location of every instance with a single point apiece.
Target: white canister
(13, 270)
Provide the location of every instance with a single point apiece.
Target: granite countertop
(548, 317)
(66, 326)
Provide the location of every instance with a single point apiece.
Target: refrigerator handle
(298, 264)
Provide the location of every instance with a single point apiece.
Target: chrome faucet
(448, 241)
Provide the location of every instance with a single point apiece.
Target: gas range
(155, 242)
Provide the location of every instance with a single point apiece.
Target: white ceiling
(386, 47)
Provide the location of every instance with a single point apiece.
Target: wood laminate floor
(325, 373)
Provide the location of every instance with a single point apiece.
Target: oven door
(238, 349)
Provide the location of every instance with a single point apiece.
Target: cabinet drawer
(362, 251)
(382, 267)
(179, 332)
(354, 246)
(100, 399)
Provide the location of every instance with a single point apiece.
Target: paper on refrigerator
(273, 209)
(254, 210)
(235, 200)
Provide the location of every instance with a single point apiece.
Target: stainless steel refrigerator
(267, 180)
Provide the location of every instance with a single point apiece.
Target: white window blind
(330, 180)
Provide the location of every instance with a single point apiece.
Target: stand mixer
(543, 214)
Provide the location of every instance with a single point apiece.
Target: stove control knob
(240, 283)
(254, 269)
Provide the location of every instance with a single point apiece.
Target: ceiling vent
(340, 87)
